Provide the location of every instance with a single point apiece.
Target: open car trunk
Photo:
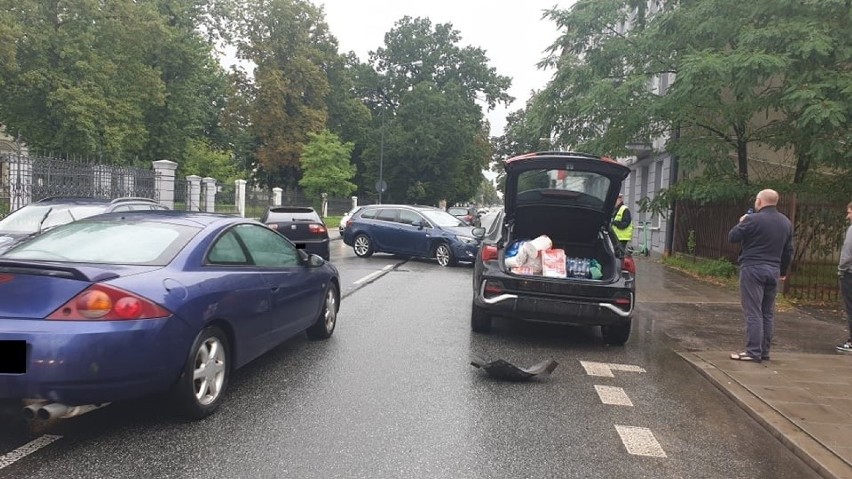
(580, 233)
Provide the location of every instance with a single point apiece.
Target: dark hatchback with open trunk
(551, 256)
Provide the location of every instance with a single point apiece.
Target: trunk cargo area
(576, 231)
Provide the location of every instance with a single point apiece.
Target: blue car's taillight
(101, 302)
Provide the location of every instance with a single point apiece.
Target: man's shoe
(845, 347)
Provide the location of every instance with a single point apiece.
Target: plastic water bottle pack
(578, 267)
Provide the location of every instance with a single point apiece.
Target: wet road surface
(392, 394)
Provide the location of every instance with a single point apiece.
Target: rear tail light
(623, 303)
(492, 288)
(489, 252)
(629, 265)
(316, 229)
(101, 302)
(348, 223)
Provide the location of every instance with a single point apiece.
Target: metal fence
(226, 198)
(25, 178)
(702, 230)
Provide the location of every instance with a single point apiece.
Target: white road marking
(605, 369)
(12, 457)
(613, 395)
(640, 441)
(373, 275)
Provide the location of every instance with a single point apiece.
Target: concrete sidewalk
(803, 395)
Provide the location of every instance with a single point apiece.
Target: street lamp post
(381, 183)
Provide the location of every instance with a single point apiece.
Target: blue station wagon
(420, 231)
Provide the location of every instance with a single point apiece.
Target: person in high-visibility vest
(622, 223)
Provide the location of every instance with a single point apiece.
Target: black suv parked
(54, 211)
(570, 198)
(301, 225)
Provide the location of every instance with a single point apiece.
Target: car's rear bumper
(86, 362)
(318, 247)
(592, 309)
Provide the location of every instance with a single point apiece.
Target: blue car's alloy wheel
(363, 246)
(205, 377)
(444, 255)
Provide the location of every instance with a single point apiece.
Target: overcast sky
(511, 32)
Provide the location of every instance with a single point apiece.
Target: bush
(715, 268)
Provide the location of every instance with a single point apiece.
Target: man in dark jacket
(767, 242)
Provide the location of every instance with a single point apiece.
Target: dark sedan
(301, 225)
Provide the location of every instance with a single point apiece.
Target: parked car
(347, 216)
(569, 197)
(421, 231)
(301, 225)
(468, 214)
(120, 306)
(49, 212)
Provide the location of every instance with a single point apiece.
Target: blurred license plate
(13, 357)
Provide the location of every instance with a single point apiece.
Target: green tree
(119, 80)
(488, 194)
(435, 139)
(326, 167)
(288, 45)
(765, 73)
(194, 83)
(81, 82)
(204, 159)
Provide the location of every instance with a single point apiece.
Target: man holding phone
(767, 249)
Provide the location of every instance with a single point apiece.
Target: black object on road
(506, 371)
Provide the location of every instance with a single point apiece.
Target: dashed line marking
(12, 457)
(605, 370)
(613, 395)
(640, 441)
(374, 274)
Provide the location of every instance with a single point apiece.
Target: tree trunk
(803, 162)
(742, 159)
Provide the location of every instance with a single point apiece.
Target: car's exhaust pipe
(57, 410)
(31, 410)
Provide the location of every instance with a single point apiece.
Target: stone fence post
(164, 185)
(240, 196)
(193, 193)
(276, 196)
(354, 202)
(208, 189)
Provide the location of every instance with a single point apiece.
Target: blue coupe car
(124, 305)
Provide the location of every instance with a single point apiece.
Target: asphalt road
(392, 394)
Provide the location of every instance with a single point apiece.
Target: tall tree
(326, 166)
(430, 93)
(287, 42)
(766, 73)
(81, 82)
(194, 83)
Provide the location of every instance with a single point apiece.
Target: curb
(803, 445)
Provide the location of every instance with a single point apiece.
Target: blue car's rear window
(107, 242)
